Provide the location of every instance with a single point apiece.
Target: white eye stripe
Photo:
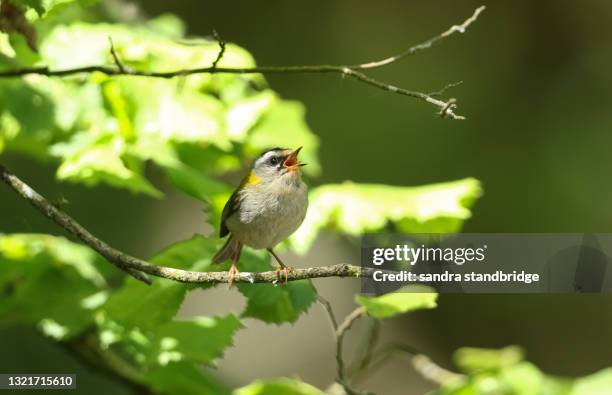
(265, 158)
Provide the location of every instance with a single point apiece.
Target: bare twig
(339, 331)
(221, 49)
(135, 267)
(446, 108)
(433, 372)
(349, 321)
(424, 45)
(421, 363)
(446, 87)
(116, 59)
(330, 312)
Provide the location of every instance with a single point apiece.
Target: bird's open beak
(291, 161)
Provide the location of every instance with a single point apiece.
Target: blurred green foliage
(505, 372)
(282, 386)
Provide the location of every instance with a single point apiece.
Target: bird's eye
(274, 160)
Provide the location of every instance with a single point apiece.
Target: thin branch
(340, 332)
(221, 49)
(319, 69)
(446, 87)
(421, 363)
(446, 108)
(330, 312)
(135, 267)
(433, 372)
(424, 45)
(116, 59)
(349, 321)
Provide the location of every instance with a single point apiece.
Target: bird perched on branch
(268, 206)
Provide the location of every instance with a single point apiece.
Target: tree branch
(221, 49)
(424, 45)
(339, 331)
(421, 363)
(135, 267)
(116, 59)
(445, 108)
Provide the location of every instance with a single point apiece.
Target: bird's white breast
(269, 212)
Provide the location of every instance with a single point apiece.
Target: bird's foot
(285, 270)
(231, 274)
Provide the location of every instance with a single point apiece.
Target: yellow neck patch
(253, 178)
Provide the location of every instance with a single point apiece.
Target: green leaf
(201, 339)
(598, 383)
(279, 386)
(241, 116)
(197, 184)
(104, 128)
(403, 301)
(183, 378)
(137, 305)
(355, 209)
(92, 158)
(523, 378)
(478, 359)
(27, 118)
(37, 269)
(168, 25)
(273, 303)
(185, 116)
(284, 125)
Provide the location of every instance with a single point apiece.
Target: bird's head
(276, 163)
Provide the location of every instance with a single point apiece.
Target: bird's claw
(231, 274)
(285, 270)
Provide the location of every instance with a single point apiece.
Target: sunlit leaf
(92, 160)
(402, 301)
(200, 339)
(356, 209)
(475, 359)
(242, 115)
(598, 383)
(280, 386)
(523, 378)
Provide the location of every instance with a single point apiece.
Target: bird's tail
(231, 249)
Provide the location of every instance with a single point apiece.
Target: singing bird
(268, 206)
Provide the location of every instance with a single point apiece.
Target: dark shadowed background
(537, 93)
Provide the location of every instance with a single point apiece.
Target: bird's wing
(233, 203)
(231, 206)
